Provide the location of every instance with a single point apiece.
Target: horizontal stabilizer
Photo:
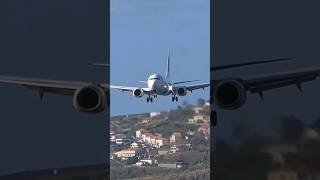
(247, 64)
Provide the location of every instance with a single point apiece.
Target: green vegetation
(137, 172)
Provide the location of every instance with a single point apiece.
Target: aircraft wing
(44, 85)
(130, 89)
(273, 81)
(197, 86)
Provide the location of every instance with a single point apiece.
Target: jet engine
(90, 99)
(230, 94)
(182, 91)
(137, 93)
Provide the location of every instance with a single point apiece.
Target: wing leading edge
(47, 86)
(274, 81)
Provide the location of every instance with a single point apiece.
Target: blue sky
(141, 33)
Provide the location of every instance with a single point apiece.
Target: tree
(201, 102)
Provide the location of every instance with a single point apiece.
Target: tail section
(168, 65)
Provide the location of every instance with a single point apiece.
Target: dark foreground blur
(290, 152)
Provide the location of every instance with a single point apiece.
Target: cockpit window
(154, 79)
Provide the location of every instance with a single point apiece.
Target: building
(147, 162)
(161, 142)
(190, 133)
(204, 129)
(180, 148)
(154, 114)
(127, 153)
(198, 119)
(134, 145)
(140, 132)
(170, 165)
(145, 121)
(175, 137)
(198, 110)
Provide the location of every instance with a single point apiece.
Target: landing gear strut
(174, 98)
(149, 99)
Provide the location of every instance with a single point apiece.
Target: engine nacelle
(137, 93)
(182, 91)
(90, 99)
(230, 94)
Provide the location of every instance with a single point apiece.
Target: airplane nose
(152, 84)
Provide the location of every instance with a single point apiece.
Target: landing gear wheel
(148, 99)
(151, 99)
(177, 99)
(172, 99)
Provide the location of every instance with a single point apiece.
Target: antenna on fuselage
(168, 65)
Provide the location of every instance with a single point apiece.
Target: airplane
(88, 97)
(162, 85)
(231, 93)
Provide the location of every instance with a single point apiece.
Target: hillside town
(164, 140)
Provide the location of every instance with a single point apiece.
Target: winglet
(248, 64)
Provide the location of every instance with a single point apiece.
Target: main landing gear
(174, 98)
(149, 99)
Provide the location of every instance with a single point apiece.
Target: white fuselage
(160, 85)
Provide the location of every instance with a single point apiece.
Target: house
(145, 121)
(190, 133)
(127, 153)
(180, 148)
(147, 162)
(204, 129)
(175, 136)
(146, 137)
(192, 121)
(134, 145)
(198, 110)
(140, 132)
(153, 139)
(112, 138)
(154, 114)
(198, 119)
(161, 142)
